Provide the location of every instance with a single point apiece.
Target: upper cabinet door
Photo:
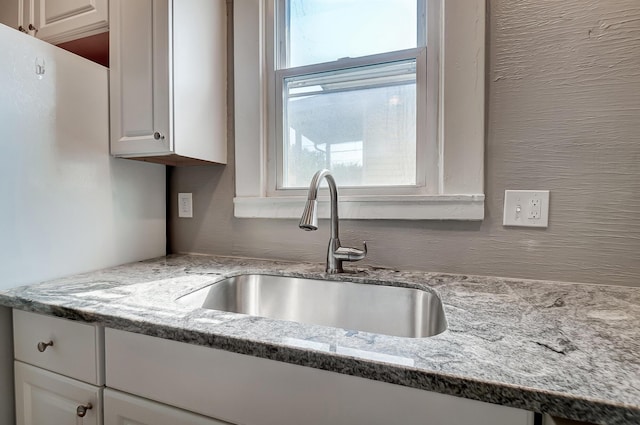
(58, 21)
(139, 77)
(168, 81)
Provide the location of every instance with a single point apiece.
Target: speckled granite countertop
(571, 350)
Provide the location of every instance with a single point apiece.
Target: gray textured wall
(563, 113)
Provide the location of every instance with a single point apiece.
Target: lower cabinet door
(125, 409)
(46, 398)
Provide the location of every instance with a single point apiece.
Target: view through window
(347, 76)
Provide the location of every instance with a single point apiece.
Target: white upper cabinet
(139, 76)
(56, 21)
(168, 80)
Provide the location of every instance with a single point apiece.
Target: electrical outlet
(526, 208)
(534, 208)
(185, 205)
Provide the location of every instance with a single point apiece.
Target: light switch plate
(185, 205)
(526, 208)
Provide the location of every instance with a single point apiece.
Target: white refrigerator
(66, 206)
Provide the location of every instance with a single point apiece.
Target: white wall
(66, 206)
(563, 113)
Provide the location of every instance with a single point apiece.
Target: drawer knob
(82, 410)
(43, 346)
(158, 136)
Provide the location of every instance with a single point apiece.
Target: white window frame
(453, 151)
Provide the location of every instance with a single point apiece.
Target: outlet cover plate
(185, 205)
(526, 208)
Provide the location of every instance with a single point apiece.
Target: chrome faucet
(336, 254)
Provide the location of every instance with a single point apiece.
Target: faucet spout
(336, 254)
(309, 220)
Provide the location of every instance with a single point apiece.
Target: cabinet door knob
(21, 29)
(32, 28)
(43, 346)
(82, 410)
(158, 136)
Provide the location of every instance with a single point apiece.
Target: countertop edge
(536, 400)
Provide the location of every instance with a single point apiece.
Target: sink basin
(388, 310)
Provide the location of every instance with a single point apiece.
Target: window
(365, 89)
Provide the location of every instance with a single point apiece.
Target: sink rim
(426, 319)
(350, 277)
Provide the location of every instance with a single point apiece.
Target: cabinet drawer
(43, 397)
(76, 350)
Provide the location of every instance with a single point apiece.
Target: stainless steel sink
(380, 309)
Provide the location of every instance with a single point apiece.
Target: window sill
(434, 207)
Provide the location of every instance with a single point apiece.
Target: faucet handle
(350, 254)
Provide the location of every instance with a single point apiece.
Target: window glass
(326, 30)
(359, 122)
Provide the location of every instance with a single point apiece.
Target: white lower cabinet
(154, 381)
(59, 370)
(46, 398)
(253, 391)
(125, 409)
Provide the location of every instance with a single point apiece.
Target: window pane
(326, 30)
(360, 123)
